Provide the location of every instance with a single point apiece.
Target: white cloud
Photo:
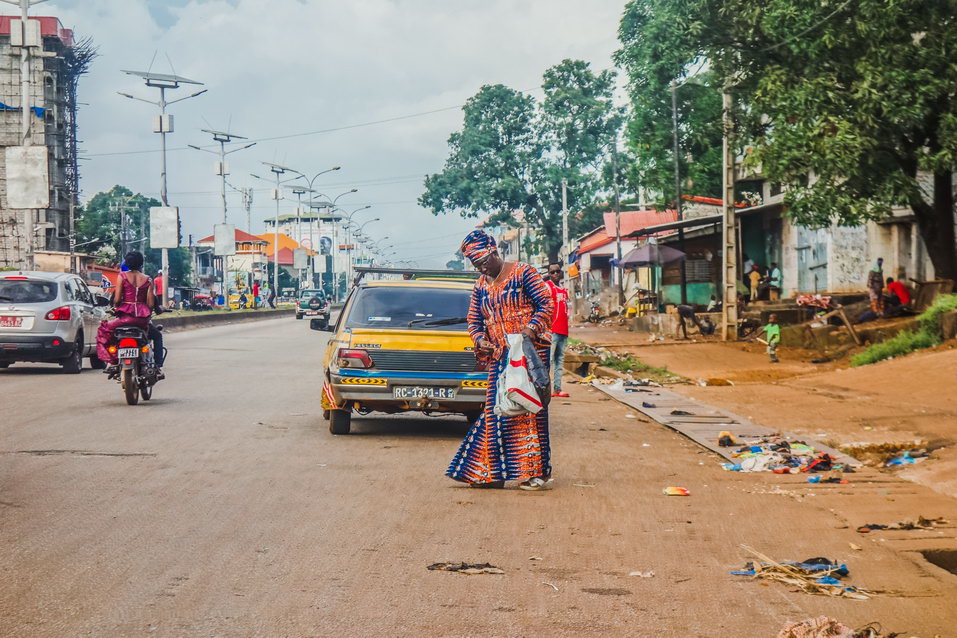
(275, 67)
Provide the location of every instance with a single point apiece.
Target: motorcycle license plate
(11, 322)
(129, 353)
(418, 392)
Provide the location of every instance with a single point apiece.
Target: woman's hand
(528, 332)
(484, 347)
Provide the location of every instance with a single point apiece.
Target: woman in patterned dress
(509, 298)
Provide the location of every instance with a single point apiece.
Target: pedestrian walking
(774, 282)
(754, 280)
(772, 333)
(875, 287)
(509, 298)
(255, 294)
(559, 327)
(271, 297)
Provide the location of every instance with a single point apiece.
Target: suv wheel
(4, 364)
(298, 316)
(74, 363)
(340, 421)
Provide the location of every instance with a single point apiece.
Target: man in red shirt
(559, 327)
(899, 290)
(255, 294)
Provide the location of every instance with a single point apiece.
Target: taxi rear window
(409, 307)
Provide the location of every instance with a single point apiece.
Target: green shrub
(929, 335)
(930, 319)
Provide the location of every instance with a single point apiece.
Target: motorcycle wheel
(128, 383)
(146, 392)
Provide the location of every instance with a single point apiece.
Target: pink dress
(133, 310)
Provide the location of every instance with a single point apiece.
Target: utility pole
(614, 176)
(222, 169)
(681, 230)
(729, 251)
(565, 251)
(26, 41)
(163, 124)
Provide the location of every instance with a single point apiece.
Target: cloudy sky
(294, 67)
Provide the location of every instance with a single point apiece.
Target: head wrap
(477, 245)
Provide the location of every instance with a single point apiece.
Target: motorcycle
(594, 314)
(137, 371)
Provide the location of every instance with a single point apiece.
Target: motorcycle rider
(133, 302)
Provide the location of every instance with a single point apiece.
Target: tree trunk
(936, 224)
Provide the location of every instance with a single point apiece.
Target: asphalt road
(223, 507)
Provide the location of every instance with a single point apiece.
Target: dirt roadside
(908, 399)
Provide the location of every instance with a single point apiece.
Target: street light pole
(222, 170)
(163, 125)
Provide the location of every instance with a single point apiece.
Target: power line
(307, 133)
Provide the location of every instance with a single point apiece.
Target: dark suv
(312, 303)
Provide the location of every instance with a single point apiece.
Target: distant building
(54, 71)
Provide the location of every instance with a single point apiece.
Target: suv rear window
(27, 291)
(411, 307)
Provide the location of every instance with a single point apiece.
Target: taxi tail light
(350, 358)
(129, 343)
(59, 314)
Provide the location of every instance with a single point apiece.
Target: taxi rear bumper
(375, 390)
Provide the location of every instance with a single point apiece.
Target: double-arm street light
(278, 171)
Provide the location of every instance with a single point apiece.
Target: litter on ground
(820, 576)
(466, 568)
(676, 491)
(920, 523)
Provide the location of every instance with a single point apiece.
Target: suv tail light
(129, 343)
(59, 314)
(348, 358)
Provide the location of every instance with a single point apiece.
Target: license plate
(129, 353)
(415, 392)
(11, 322)
(309, 313)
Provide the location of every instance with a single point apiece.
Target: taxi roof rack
(417, 273)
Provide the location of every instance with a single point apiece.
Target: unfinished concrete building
(55, 67)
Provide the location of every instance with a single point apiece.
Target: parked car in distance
(49, 317)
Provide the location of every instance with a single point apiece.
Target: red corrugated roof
(631, 221)
(285, 257)
(241, 236)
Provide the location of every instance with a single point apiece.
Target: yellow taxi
(401, 345)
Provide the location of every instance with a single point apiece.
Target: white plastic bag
(515, 394)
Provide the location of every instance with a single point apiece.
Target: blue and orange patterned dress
(501, 448)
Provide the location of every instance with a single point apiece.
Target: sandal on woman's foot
(489, 485)
(535, 484)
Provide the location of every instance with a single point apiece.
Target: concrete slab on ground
(703, 423)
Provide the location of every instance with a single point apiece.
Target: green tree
(458, 263)
(512, 153)
(850, 105)
(98, 224)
